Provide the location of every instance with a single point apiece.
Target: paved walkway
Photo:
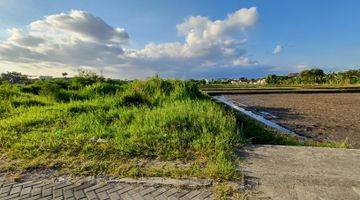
(275, 172)
(93, 189)
(303, 173)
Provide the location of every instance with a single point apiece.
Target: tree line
(316, 76)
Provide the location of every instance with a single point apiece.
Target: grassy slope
(144, 128)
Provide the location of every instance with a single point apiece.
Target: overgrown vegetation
(89, 125)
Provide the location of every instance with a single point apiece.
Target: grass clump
(141, 128)
(230, 192)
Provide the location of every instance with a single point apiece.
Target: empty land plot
(331, 116)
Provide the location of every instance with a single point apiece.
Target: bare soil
(330, 116)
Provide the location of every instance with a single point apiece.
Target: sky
(181, 39)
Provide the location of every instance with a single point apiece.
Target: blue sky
(309, 33)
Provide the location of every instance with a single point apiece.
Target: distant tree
(272, 79)
(64, 74)
(349, 77)
(85, 77)
(14, 77)
(88, 74)
(314, 75)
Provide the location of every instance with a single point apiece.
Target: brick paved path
(93, 189)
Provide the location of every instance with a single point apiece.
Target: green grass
(142, 128)
(229, 192)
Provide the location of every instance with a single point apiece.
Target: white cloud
(67, 41)
(278, 49)
(244, 61)
(301, 67)
(78, 25)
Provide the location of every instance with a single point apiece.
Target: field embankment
(223, 90)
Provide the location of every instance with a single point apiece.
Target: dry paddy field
(330, 116)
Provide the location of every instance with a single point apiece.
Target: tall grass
(117, 128)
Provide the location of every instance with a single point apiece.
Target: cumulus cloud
(79, 39)
(78, 25)
(244, 61)
(301, 67)
(278, 49)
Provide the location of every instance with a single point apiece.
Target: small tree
(64, 74)
(272, 79)
(85, 77)
(314, 75)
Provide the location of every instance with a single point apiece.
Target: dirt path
(332, 116)
(287, 172)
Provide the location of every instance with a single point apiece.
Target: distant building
(31, 77)
(238, 82)
(290, 75)
(261, 81)
(45, 77)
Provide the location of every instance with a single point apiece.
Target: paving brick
(181, 193)
(103, 195)
(12, 196)
(34, 197)
(94, 187)
(193, 194)
(79, 194)
(158, 192)
(57, 193)
(204, 195)
(46, 192)
(32, 184)
(104, 188)
(161, 197)
(91, 195)
(25, 191)
(116, 188)
(5, 189)
(114, 196)
(125, 189)
(26, 196)
(66, 190)
(147, 191)
(62, 185)
(171, 192)
(135, 190)
(36, 191)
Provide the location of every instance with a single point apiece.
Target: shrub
(135, 99)
(27, 103)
